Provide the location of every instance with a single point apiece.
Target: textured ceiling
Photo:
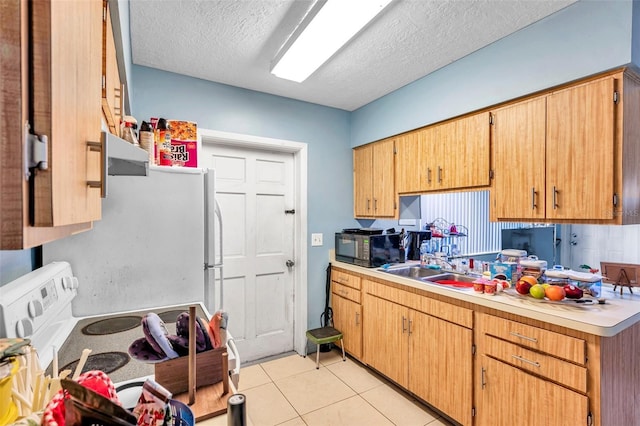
(234, 41)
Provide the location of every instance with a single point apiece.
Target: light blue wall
(582, 39)
(15, 263)
(230, 109)
(635, 34)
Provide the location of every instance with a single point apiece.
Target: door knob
(290, 263)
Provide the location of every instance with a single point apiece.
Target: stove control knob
(35, 308)
(69, 283)
(24, 328)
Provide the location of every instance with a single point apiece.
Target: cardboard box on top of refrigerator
(184, 143)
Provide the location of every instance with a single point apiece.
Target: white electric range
(38, 306)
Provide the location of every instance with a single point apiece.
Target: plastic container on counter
(533, 266)
(512, 255)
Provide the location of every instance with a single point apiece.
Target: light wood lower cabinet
(347, 311)
(440, 364)
(347, 317)
(483, 367)
(429, 356)
(542, 374)
(509, 396)
(385, 338)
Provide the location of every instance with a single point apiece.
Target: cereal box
(184, 143)
(505, 271)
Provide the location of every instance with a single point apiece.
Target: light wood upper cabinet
(112, 90)
(469, 157)
(374, 180)
(60, 99)
(580, 151)
(519, 166)
(569, 156)
(66, 82)
(410, 172)
(447, 156)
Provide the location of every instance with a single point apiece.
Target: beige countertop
(608, 319)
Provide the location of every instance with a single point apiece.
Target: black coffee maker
(415, 239)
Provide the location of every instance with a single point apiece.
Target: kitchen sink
(452, 277)
(413, 272)
(434, 276)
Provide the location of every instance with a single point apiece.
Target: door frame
(299, 151)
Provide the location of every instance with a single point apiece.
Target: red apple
(523, 287)
(572, 292)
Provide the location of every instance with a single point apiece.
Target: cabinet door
(347, 317)
(385, 337)
(468, 156)
(383, 178)
(508, 396)
(112, 96)
(580, 151)
(459, 153)
(67, 65)
(362, 181)
(440, 365)
(409, 168)
(519, 164)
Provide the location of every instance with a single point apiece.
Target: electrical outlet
(316, 240)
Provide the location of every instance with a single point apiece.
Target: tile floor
(289, 391)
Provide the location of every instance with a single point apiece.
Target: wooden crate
(174, 373)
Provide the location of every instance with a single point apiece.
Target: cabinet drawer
(437, 308)
(346, 292)
(556, 344)
(557, 370)
(345, 279)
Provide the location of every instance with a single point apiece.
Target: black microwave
(366, 250)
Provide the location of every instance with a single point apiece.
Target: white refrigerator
(159, 243)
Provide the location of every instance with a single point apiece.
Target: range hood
(123, 158)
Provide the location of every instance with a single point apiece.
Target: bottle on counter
(129, 129)
(146, 140)
(423, 253)
(163, 143)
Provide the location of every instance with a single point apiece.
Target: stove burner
(170, 317)
(112, 325)
(108, 362)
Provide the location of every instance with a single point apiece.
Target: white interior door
(253, 189)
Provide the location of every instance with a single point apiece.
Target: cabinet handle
(357, 318)
(520, 336)
(368, 204)
(439, 174)
(410, 322)
(533, 198)
(101, 148)
(403, 327)
(555, 198)
(519, 358)
(482, 378)
(428, 174)
(375, 204)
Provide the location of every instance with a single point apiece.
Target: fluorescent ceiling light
(334, 24)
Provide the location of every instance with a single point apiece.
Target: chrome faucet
(443, 263)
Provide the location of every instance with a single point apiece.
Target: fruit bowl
(585, 300)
